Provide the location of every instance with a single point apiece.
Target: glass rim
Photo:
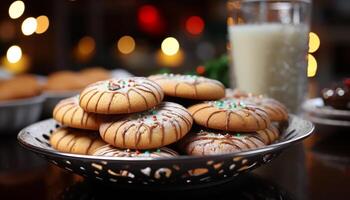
(277, 1)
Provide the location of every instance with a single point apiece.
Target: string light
(14, 54)
(195, 25)
(312, 66)
(170, 46)
(16, 9)
(42, 24)
(126, 44)
(314, 42)
(29, 26)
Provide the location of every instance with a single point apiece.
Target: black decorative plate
(178, 172)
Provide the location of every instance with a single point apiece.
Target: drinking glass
(268, 48)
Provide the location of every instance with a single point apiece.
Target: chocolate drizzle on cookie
(141, 87)
(238, 115)
(167, 118)
(110, 151)
(208, 143)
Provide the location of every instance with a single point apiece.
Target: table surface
(319, 168)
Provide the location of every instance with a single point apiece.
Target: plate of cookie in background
(20, 102)
(63, 84)
(333, 108)
(126, 131)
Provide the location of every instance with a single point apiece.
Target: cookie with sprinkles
(190, 86)
(165, 124)
(210, 143)
(75, 141)
(275, 109)
(118, 96)
(110, 151)
(69, 113)
(230, 115)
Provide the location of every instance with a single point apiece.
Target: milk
(270, 59)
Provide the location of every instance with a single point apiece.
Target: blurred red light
(200, 70)
(148, 14)
(195, 25)
(150, 20)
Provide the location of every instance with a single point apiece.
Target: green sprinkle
(153, 112)
(158, 150)
(238, 135)
(146, 152)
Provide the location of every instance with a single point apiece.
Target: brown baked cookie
(276, 110)
(190, 86)
(269, 135)
(75, 141)
(160, 126)
(230, 115)
(69, 113)
(209, 143)
(18, 87)
(117, 96)
(111, 151)
(94, 74)
(65, 81)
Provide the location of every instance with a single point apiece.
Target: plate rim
(310, 107)
(23, 101)
(266, 149)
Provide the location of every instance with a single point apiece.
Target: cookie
(209, 143)
(69, 113)
(269, 135)
(65, 81)
(19, 87)
(75, 141)
(111, 151)
(160, 126)
(276, 110)
(124, 95)
(230, 115)
(190, 86)
(94, 74)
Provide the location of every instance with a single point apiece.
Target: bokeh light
(85, 48)
(174, 60)
(14, 54)
(29, 26)
(42, 24)
(314, 42)
(170, 46)
(149, 19)
(19, 67)
(195, 25)
(200, 70)
(126, 44)
(16, 9)
(312, 66)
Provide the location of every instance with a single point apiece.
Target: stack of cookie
(128, 117)
(235, 123)
(120, 117)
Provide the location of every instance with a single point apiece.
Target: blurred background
(144, 37)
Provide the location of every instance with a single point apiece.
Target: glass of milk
(268, 48)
